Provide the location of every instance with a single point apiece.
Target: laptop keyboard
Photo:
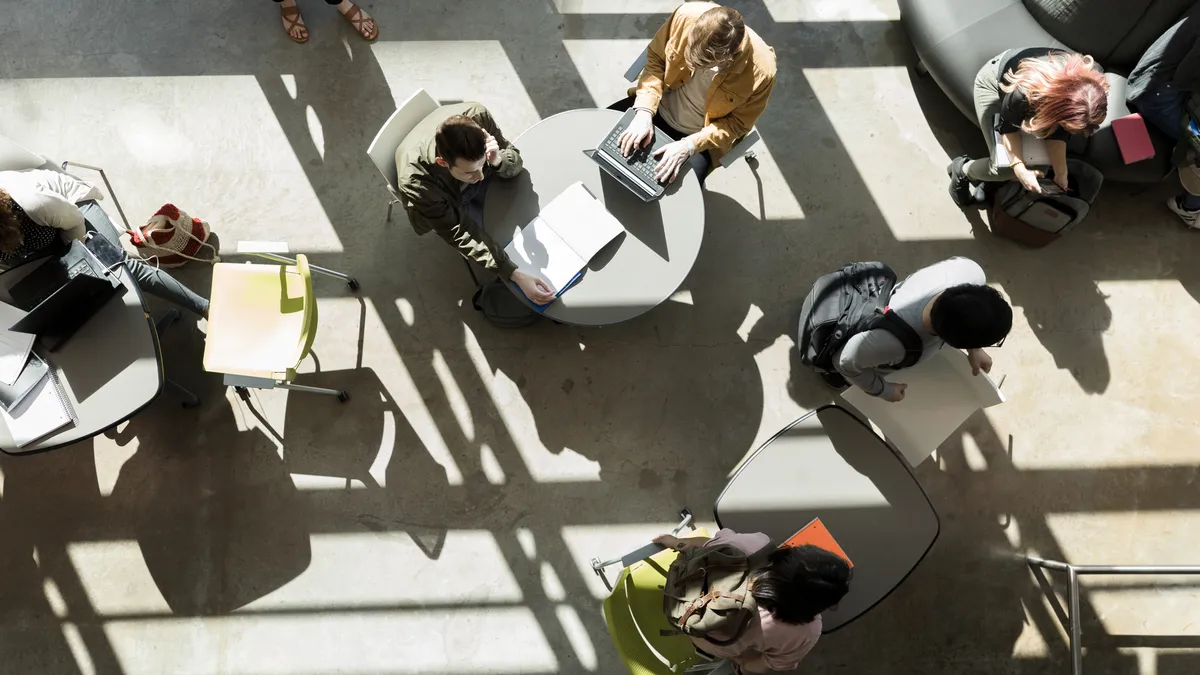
(81, 267)
(640, 162)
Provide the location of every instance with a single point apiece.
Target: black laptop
(62, 294)
(635, 172)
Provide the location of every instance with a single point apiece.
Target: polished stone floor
(442, 521)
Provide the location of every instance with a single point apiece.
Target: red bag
(171, 238)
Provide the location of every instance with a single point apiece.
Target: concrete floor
(441, 522)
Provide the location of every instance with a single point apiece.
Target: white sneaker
(1189, 218)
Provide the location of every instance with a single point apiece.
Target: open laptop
(635, 172)
(62, 294)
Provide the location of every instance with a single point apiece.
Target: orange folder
(816, 534)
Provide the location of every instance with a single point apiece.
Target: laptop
(635, 172)
(62, 294)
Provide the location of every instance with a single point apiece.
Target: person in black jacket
(1159, 88)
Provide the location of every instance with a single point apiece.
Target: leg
(362, 22)
(1163, 108)
(293, 22)
(987, 105)
(148, 278)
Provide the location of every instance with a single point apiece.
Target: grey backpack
(845, 303)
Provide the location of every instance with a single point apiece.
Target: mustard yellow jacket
(738, 94)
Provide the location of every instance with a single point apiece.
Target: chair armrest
(635, 70)
(740, 148)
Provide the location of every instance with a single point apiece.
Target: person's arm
(510, 158)
(721, 133)
(1026, 176)
(649, 89)
(1187, 74)
(862, 357)
(433, 211)
(1057, 149)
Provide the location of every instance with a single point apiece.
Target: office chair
(382, 150)
(262, 321)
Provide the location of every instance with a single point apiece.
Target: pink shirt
(782, 645)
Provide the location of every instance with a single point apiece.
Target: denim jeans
(149, 278)
(1163, 108)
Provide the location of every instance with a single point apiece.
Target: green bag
(707, 593)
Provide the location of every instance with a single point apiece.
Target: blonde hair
(1064, 91)
(10, 227)
(715, 39)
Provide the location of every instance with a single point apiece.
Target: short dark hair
(800, 582)
(460, 137)
(715, 38)
(971, 316)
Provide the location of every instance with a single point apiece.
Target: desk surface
(831, 466)
(641, 268)
(110, 368)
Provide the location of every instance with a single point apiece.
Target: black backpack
(499, 305)
(848, 302)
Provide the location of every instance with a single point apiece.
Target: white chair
(382, 150)
(740, 149)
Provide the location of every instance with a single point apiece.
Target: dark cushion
(954, 38)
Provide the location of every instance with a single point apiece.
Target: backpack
(1037, 219)
(499, 305)
(707, 593)
(845, 303)
(171, 237)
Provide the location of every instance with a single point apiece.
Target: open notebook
(14, 347)
(560, 241)
(44, 411)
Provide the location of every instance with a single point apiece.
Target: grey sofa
(954, 38)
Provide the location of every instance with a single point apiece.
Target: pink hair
(1064, 91)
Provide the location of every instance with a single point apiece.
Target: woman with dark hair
(791, 591)
(39, 217)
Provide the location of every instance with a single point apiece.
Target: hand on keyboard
(638, 134)
(671, 158)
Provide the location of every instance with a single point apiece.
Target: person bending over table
(38, 215)
(707, 79)
(791, 591)
(947, 303)
(443, 168)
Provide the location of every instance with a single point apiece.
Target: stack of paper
(558, 243)
(44, 411)
(14, 347)
(941, 394)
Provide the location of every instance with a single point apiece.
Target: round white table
(636, 271)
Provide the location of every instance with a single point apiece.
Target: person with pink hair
(1047, 93)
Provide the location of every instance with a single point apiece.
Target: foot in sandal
(362, 22)
(293, 23)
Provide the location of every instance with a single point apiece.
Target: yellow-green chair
(634, 614)
(262, 321)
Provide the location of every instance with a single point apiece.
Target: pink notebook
(1133, 138)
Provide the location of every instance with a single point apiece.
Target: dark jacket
(1174, 58)
(431, 196)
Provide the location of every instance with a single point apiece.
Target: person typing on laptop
(707, 79)
(443, 168)
(42, 209)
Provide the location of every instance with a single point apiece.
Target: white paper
(1033, 149)
(941, 394)
(14, 347)
(538, 250)
(560, 241)
(582, 221)
(39, 414)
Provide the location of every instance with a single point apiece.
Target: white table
(110, 368)
(640, 269)
(830, 465)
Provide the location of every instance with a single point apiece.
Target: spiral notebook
(45, 411)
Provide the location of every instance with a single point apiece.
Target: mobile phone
(108, 253)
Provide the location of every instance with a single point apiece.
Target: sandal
(293, 20)
(362, 23)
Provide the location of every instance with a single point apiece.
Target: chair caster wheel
(343, 396)
(685, 512)
(353, 284)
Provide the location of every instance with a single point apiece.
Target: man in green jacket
(443, 167)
